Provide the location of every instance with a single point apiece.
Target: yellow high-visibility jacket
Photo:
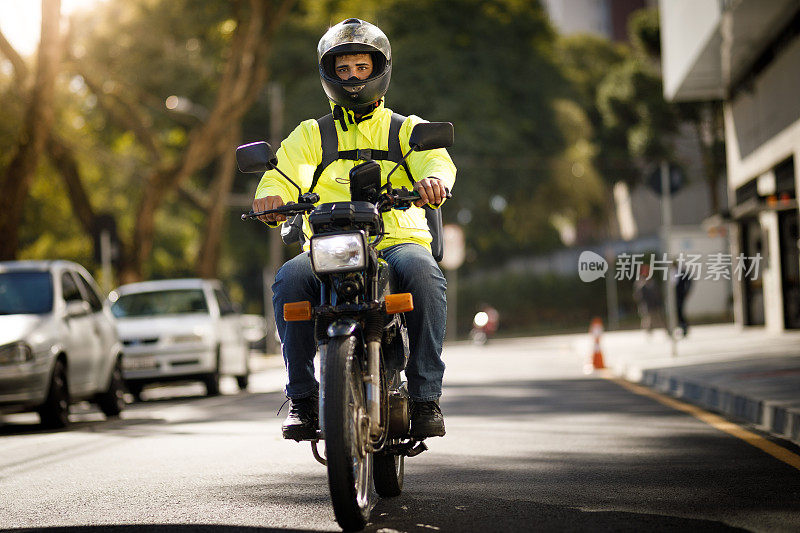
(301, 152)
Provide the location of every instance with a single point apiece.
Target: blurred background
(118, 129)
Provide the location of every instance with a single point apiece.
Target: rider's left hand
(431, 191)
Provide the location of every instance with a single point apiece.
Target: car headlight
(344, 252)
(15, 353)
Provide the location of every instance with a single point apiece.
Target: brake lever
(289, 209)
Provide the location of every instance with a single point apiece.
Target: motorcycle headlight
(14, 353)
(344, 252)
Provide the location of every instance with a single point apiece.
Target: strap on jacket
(331, 152)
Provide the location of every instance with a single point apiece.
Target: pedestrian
(683, 284)
(355, 65)
(647, 295)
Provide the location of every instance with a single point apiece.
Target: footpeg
(416, 450)
(411, 448)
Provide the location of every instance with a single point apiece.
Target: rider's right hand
(264, 204)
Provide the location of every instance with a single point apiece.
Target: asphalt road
(532, 445)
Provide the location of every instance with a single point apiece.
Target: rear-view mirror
(430, 135)
(256, 157)
(77, 308)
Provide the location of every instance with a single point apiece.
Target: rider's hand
(431, 191)
(264, 204)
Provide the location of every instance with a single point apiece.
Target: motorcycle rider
(355, 64)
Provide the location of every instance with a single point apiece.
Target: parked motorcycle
(360, 330)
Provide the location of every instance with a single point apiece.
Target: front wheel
(54, 414)
(387, 469)
(346, 435)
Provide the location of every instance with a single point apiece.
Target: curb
(778, 419)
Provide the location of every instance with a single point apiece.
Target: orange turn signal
(399, 303)
(296, 311)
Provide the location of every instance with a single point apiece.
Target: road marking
(716, 421)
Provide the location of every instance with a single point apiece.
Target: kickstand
(321, 460)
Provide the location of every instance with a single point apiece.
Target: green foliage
(630, 99)
(645, 34)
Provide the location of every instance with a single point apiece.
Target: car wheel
(54, 413)
(212, 380)
(112, 401)
(136, 390)
(244, 380)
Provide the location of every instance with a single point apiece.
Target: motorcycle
(360, 330)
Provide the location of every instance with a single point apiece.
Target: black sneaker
(303, 420)
(426, 420)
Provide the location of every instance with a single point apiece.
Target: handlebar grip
(447, 193)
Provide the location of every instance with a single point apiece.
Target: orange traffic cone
(596, 329)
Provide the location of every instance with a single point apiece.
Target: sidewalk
(745, 373)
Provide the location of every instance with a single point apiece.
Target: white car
(58, 342)
(179, 330)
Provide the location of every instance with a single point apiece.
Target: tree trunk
(244, 75)
(144, 229)
(39, 115)
(208, 258)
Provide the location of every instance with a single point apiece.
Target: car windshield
(173, 302)
(25, 293)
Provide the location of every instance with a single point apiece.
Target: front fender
(342, 327)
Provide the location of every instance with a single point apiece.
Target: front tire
(387, 470)
(244, 380)
(346, 434)
(54, 413)
(112, 401)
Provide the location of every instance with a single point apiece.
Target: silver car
(178, 330)
(58, 342)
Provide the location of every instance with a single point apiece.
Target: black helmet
(354, 36)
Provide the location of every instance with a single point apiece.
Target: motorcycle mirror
(430, 135)
(259, 157)
(256, 157)
(365, 181)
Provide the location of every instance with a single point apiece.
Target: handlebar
(400, 199)
(289, 209)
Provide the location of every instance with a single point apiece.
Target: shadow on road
(587, 456)
(416, 513)
(155, 528)
(137, 416)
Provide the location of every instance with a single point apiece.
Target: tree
(38, 92)
(704, 117)
(125, 61)
(631, 100)
(131, 101)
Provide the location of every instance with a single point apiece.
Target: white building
(747, 53)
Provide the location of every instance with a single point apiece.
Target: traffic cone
(596, 329)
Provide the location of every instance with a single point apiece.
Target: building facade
(747, 54)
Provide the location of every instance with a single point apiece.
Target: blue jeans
(416, 272)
